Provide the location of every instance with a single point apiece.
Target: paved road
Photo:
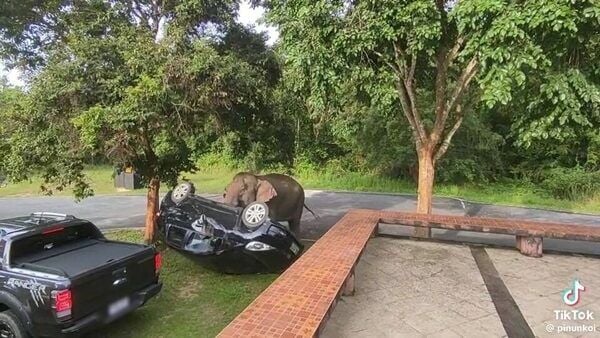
(128, 211)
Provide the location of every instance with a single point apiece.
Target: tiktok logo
(571, 295)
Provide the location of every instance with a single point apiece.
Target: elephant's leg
(297, 214)
(294, 224)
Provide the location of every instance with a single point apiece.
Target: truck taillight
(62, 303)
(157, 262)
(52, 230)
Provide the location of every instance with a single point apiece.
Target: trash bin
(127, 179)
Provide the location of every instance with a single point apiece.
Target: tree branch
(413, 66)
(463, 82)
(148, 151)
(156, 15)
(410, 91)
(388, 63)
(454, 51)
(407, 110)
(444, 146)
(441, 84)
(440, 4)
(405, 104)
(138, 12)
(406, 78)
(399, 55)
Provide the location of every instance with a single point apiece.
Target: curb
(386, 194)
(538, 208)
(109, 230)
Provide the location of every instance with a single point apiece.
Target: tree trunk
(425, 186)
(151, 209)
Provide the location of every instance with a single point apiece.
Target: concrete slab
(410, 288)
(537, 286)
(407, 288)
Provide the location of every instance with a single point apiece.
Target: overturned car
(224, 238)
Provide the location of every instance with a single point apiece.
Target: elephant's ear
(265, 191)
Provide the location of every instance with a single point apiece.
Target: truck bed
(80, 257)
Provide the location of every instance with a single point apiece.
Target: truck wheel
(10, 326)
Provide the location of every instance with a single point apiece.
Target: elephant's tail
(307, 208)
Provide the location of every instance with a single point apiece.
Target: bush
(572, 183)
(215, 161)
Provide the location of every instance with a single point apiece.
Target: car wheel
(255, 214)
(182, 191)
(10, 326)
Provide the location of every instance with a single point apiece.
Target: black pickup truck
(60, 277)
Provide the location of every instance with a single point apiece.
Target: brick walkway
(410, 288)
(296, 304)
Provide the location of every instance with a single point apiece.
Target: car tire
(11, 326)
(182, 191)
(255, 214)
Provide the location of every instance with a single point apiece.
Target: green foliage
(376, 142)
(593, 151)
(18, 18)
(117, 84)
(541, 59)
(32, 138)
(325, 100)
(572, 184)
(566, 106)
(347, 61)
(8, 97)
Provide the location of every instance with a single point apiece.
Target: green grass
(194, 302)
(507, 193)
(215, 178)
(100, 178)
(517, 195)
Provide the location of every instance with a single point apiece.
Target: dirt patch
(189, 289)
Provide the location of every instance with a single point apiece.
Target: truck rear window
(52, 240)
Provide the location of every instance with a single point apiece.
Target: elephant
(283, 195)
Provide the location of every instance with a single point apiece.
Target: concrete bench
(299, 302)
(529, 234)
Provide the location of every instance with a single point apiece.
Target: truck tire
(11, 326)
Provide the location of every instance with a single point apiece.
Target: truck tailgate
(127, 268)
(101, 272)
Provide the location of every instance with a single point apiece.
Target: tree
(422, 58)
(7, 98)
(134, 82)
